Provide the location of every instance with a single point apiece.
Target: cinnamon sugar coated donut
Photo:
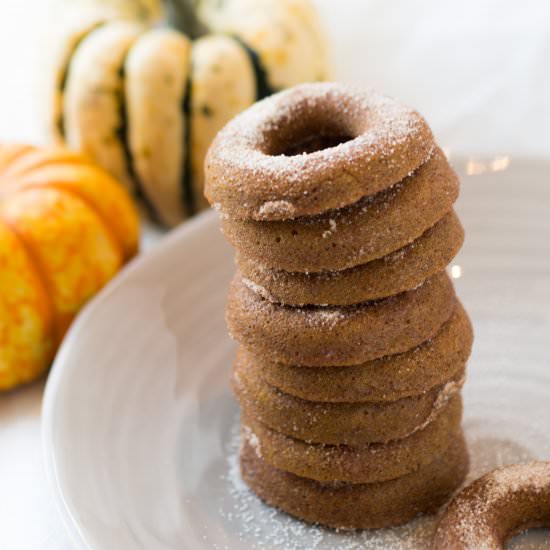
(255, 169)
(359, 505)
(353, 424)
(364, 464)
(353, 344)
(327, 336)
(496, 507)
(397, 272)
(389, 378)
(351, 236)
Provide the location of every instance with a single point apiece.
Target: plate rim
(60, 365)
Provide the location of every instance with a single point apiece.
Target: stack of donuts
(353, 345)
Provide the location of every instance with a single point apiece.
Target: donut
(397, 272)
(353, 424)
(358, 506)
(157, 69)
(367, 464)
(255, 169)
(495, 507)
(327, 336)
(389, 378)
(92, 121)
(354, 235)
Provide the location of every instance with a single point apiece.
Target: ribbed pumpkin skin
(66, 228)
(143, 86)
(145, 10)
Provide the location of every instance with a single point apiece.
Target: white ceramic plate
(139, 423)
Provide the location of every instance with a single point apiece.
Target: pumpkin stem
(183, 15)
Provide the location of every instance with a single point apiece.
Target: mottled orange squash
(66, 228)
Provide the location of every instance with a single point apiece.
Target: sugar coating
(401, 270)
(320, 336)
(496, 506)
(352, 424)
(349, 505)
(368, 463)
(387, 379)
(367, 230)
(283, 209)
(259, 526)
(248, 174)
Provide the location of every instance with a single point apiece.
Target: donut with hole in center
(495, 507)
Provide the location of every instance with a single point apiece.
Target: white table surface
(475, 68)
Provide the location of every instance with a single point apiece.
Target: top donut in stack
(353, 344)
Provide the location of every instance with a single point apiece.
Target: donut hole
(308, 127)
(312, 144)
(534, 537)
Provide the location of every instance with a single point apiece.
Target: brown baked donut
(358, 506)
(389, 378)
(326, 336)
(264, 165)
(367, 464)
(495, 507)
(397, 272)
(367, 230)
(353, 424)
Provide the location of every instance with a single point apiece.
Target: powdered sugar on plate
(260, 527)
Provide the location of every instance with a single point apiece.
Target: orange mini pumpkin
(66, 228)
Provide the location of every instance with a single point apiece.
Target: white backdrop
(477, 69)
